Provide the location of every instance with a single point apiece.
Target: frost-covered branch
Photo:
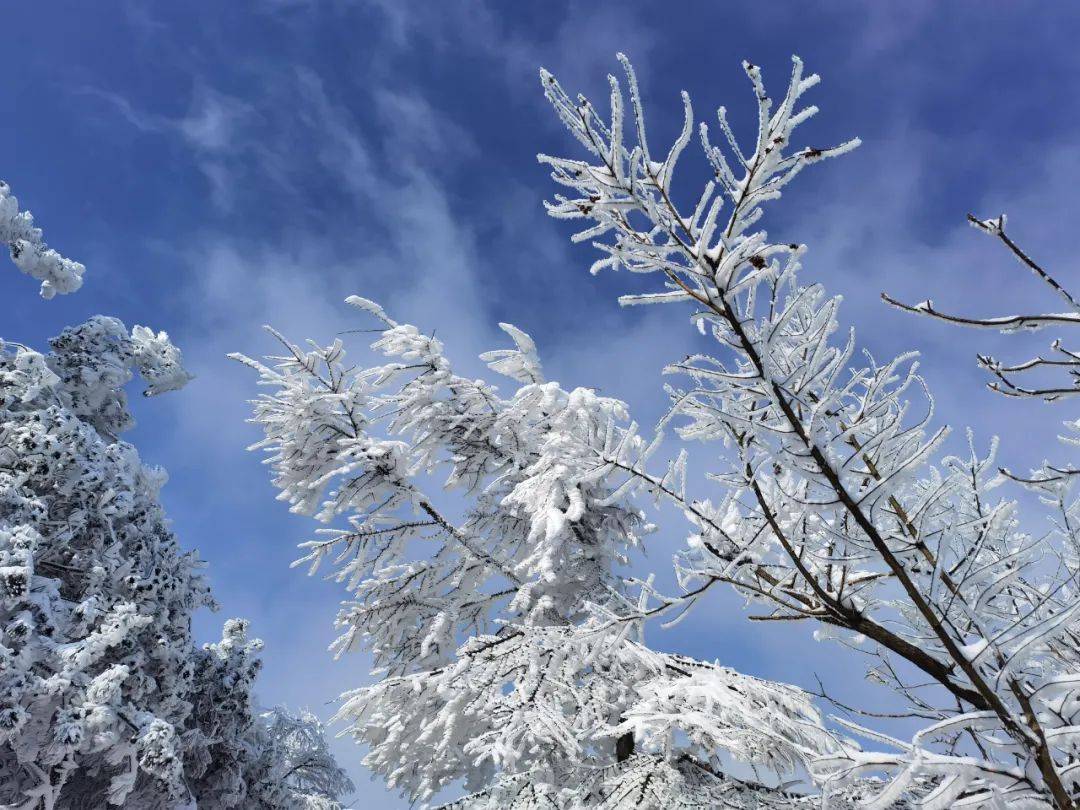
(1006, 381)
(29, 251)
(834, 505)
(509, 643)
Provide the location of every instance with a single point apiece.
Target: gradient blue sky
(218, 166)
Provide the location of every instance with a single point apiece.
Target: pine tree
(104, 698)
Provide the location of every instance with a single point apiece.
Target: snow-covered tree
(295, 767)
(506, 636)
(104, 698)
(240, 757)
(836, 504)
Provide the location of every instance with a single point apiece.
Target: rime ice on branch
(30, 253)
(508, 643)
(1009, 378)
(837, 508)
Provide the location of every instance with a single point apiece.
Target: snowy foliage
(104, 699)
(97, 593)
(507, 644)
(30, 253)
(242, 758)
(295, 767)
(836, 507)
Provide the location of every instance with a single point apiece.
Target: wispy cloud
(214, 122)
(215, 126)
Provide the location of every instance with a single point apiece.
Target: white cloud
(211, 124)
(580, 44)
(214, 120)
(409, 121)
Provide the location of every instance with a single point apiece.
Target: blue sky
(218, 166)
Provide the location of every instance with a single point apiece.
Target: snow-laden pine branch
(506, 638)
